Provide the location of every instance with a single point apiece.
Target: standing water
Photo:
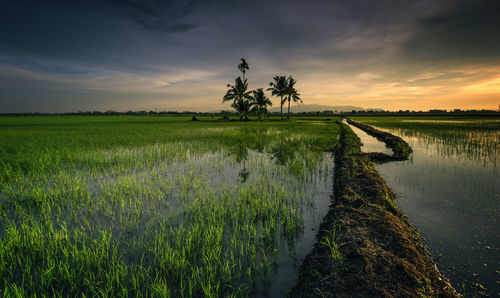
(449, 189)
(369, 143)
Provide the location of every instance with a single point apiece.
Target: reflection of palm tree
(291, 93)
(243, 67)
(241, 154)
(241, 151)
(243, 174)
(279, 88)
(284, 151)
(240, 96)
(260, 103)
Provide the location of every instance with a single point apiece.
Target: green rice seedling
(329, 241)
(151, 206)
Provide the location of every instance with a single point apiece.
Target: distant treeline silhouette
(435, 112)
(235, 113)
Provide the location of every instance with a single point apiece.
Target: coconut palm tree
(291, 93)
(243, 107)
(279, 88)
(241, 97)
(243, 67)
(260, 103)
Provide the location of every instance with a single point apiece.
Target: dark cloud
(467, 31)
(158, 15)
(58, 30)
(193, 46)
(93, 31)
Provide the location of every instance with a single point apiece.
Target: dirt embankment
(378, 252)
(400, 148)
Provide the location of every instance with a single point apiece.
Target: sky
(86, 55)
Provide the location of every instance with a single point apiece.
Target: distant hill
(313, 108)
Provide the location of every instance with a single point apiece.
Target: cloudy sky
(61, 56)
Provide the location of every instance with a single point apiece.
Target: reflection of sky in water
(370, 144)
(221, 171)
(315, 191)
(453, 199)
(482, 145)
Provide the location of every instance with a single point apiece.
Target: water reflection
(452, 196)
(315, 191)
(370, 144)
(283, 151)
(241, 154)
(243, 174)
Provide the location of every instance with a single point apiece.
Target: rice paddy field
(159, 206)
(450, 190)
(166, 207)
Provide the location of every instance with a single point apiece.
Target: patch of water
(224, 171)
(453, 199)
(287, 269)
(370, 144)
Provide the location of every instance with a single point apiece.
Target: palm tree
(243, 107)
(243, 67)
(239, 94)
(291, 93)
(279, 88)
(260, 103)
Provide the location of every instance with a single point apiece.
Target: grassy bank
(367, 246)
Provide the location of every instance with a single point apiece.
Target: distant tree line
(434, 112)
(106, 113)
(228, 113)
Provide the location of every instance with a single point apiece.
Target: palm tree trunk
(281, 103)
(289, 109)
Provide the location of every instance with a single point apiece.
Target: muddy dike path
(366, 246)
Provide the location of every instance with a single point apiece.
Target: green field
(153, 206)
(164, 206)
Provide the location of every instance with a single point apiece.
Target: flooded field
(449, 189)
(162, 206)
(159, 206)
(369, 143)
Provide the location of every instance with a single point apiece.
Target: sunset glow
(419, 55)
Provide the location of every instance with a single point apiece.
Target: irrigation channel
(452, 199)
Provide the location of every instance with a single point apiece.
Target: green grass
(329, 240)
(152, 206)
